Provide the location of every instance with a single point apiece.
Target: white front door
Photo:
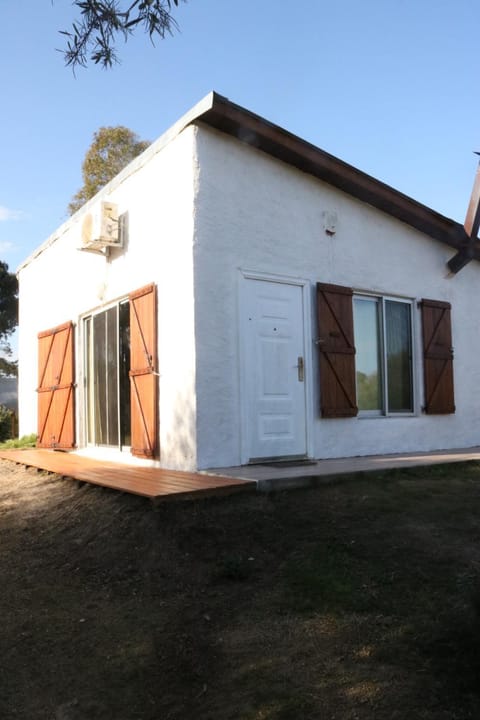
(274, 370)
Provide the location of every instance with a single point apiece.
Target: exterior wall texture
(62, 283)
(254, 213)
(204, 211)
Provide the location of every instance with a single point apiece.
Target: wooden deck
(154, 483)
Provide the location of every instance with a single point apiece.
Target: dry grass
(356, 600)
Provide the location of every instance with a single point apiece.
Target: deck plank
(154, 483)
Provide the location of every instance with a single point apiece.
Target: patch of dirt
(352, 601)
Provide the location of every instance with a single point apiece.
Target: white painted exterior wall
(255, 213)
(62, 283)
(205, 211)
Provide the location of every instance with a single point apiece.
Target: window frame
(381, 301)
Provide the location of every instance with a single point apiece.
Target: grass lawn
(359, 599)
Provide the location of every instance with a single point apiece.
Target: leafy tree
(8, 315)
(8, 368)
(94, 35)
(368, 390)
(111, 150)
(6, 423)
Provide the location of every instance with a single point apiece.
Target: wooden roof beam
(472, 223)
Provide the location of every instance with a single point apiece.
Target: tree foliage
(8, 368)
(111, 150)
(6, 423)
(95, 35)
(8, 310)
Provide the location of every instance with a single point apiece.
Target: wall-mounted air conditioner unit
(100, 227)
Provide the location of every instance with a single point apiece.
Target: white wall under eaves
(132, 168)
(59, 283)
(258, 214)
(203, 207)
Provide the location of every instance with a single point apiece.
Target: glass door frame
(122, 401)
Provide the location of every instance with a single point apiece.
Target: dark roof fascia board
(254, 130)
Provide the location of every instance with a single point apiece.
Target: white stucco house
(257, 299)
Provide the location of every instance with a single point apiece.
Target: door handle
(301, 369)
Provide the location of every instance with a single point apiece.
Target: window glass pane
(107, 365)
(111, 380)
(99, 366)
(399, 356)
(89, 382)
(124, 368)
(367, 359)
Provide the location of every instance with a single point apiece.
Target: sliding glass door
(107, 383)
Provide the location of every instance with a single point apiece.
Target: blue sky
(388, 86)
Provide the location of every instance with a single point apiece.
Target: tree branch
(95, 35)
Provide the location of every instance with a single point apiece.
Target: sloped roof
(218, 112)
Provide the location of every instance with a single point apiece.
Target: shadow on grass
(353, 601)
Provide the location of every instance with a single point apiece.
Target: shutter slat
(437, 357)
(56, 408)
(337, 351)
(143, 372)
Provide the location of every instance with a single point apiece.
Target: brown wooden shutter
(437, 357)
(337, 351)
(143, 372)
(56, 383)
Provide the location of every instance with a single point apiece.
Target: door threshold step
(288, 463)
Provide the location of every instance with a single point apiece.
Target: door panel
(143, 372)
(274, 383)
(56, 410)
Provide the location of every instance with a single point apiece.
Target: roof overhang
(218, 112)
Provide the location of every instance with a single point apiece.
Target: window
(366, 354)
(121, 374)
(383, 341)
